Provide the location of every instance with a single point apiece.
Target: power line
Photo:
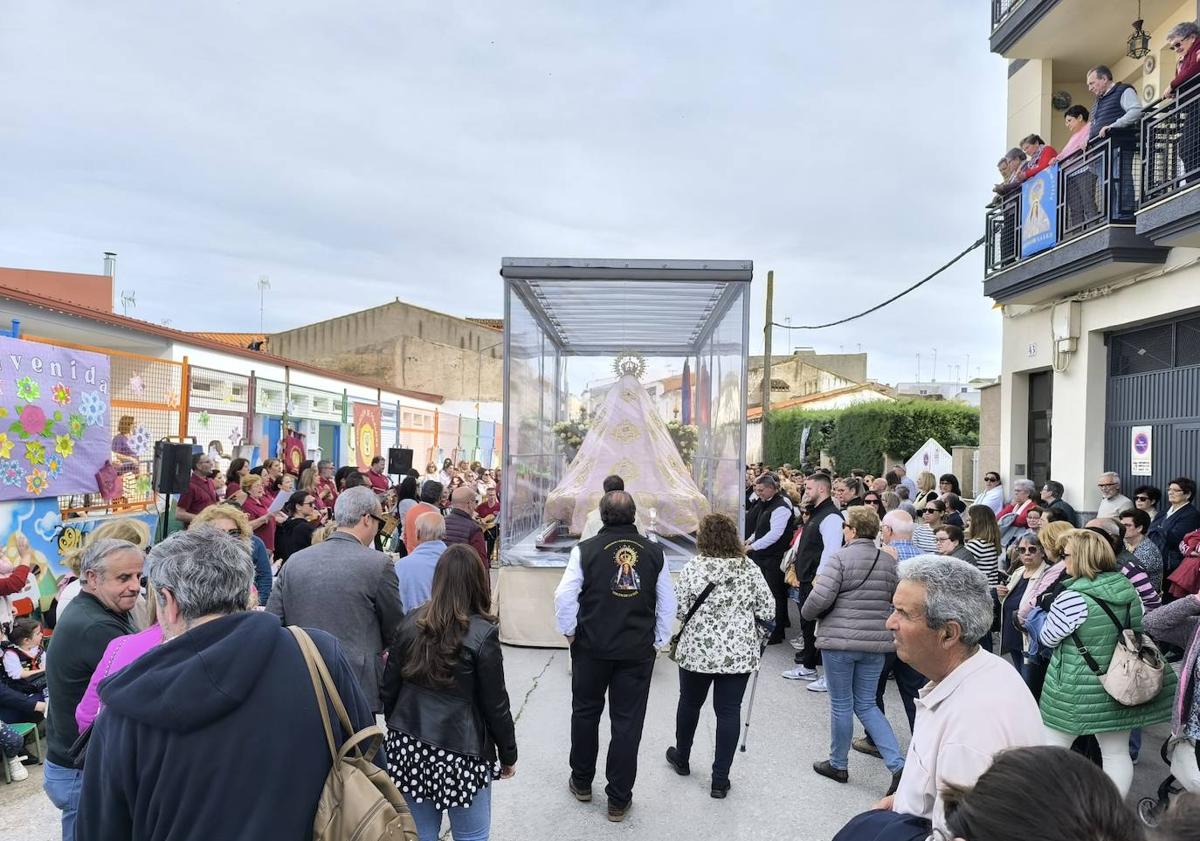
(895, 297)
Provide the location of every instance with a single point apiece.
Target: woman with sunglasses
(1146, 498)
(872, 501)
(1175, 522)
(924, 536)
(1017, 591)
(296, 532)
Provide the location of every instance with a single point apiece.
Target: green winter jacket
(1073, 700)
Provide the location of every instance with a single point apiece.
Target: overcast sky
(360, 152)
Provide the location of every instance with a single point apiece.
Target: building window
(1187, 342)
(1141, 351)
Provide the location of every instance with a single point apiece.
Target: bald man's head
(463, 499)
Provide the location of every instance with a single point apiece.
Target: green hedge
(858, 437)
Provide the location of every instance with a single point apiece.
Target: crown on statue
(631, 363)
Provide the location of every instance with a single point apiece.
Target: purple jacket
(1178, 623)
(120, 653)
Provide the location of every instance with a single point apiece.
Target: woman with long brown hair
(447, 708)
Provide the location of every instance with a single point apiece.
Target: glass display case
(680, 326)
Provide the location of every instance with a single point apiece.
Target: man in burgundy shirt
(461, 526)
(200, 493)
(377, 477)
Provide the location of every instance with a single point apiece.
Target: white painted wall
(1077, 431)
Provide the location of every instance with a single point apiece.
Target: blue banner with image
(1039, 203)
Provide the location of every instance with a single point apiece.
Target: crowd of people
(998, 618)
(325, 549)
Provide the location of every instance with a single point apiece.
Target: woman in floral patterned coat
(721, 644)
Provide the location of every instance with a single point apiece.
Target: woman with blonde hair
(232, 521)
(257, 506)
(1084, 627)
(926, 489)
(720, 644)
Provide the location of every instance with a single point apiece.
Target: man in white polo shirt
(975, 703)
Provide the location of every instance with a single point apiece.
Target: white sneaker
(16, 770)
(800, 673)
(818, 685)
(797, 643)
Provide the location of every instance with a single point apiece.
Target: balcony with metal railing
(1169, 206)
(1070, 228)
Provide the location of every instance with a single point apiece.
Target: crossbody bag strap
(1083, 650)
(866, 577)
(301, 639)
(708, 588)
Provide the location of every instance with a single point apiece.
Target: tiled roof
(194, 339)
(496, 324)
(239, 340)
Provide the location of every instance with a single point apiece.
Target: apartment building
(1101, 357)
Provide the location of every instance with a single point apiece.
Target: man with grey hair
(975, 703)
(111, 572)
(345, 587)
(415, 570)
(1112, 501)
(229, 677)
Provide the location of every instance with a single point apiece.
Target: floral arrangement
(686, 437)
(571, 434)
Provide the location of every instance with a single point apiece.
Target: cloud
(48, 524)
(359, 154)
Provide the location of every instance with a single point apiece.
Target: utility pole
(933, 379)
(264, 283)
(766, 383)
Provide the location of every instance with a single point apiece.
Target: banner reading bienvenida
(54, 433)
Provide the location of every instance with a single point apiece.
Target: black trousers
(774, 576)
(908, 683)
(627, 685)
(727, 704)
(810, 657)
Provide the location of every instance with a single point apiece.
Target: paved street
(775, 794)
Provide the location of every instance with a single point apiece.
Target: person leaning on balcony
(1117, 104)
(1040, 155)
(1076, 118)
(1012, 178)
(1184, 39)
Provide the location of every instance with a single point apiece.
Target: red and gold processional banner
(366, 434)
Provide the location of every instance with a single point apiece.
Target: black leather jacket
(472, 717)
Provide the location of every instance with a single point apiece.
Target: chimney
(110, 270)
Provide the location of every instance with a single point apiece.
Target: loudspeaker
(172, 466)
(399, 460)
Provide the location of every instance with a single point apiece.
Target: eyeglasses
(932, 511)
(1029, 550)
(1141, 498)
(235, 532)
(943, 540)
(379, 520)
(1107, 485)
(991, 478)
(1176, 45)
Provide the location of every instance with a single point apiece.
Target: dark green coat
(1073, 700)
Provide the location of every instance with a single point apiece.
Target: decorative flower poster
(54, 425)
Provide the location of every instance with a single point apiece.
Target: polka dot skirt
(434, 775)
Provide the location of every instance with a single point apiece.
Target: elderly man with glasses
(1112, 502)
(346, 588)
(993, 494)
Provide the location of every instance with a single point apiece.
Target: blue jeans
(852, 677)
(470, 823)
(62, 787)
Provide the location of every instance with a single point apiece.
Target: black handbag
(708, 588)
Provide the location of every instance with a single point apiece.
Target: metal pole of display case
(741, 497)
(766, 378)
(506, 479)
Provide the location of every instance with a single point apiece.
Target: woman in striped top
(924, 537)
(983, 541)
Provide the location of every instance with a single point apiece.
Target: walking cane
(762, 648)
